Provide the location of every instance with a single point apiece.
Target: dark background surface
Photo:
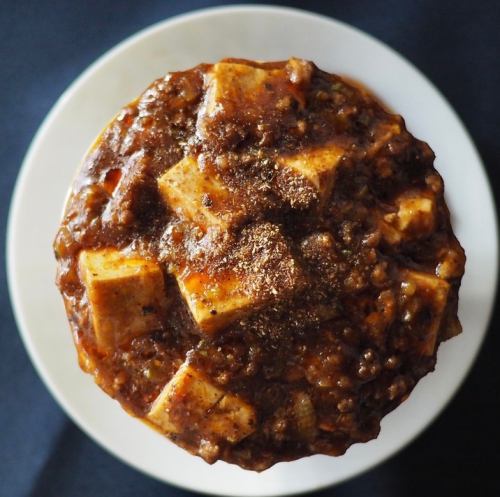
(45, 44)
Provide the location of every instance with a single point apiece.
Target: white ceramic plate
(257, 33)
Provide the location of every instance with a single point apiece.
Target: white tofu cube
(452, 262)
(416, 214)
(230, 84)
(389, 233)
(215, 301)
(260, 270)
(199, 196)
(235, 89)
(126, 295)
(189, 403)
(317, 165)
(414, 219)
(429, 293)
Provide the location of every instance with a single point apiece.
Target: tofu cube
(318, 166)
(231, 84)
(215, 301)
(430, 294)
(414, 219)
(126, 295)
(198, 195)
(390, 234)
(416, 215)
(235, 89)
(260, 270)
(452, 262)
(189, 403)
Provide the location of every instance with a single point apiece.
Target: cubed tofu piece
(215, 301)
(189, 403)
(427, 295)
(415, 218)
(416, 214)
(235, 89)
(260, 269)
(199, 196)
(126, 295)
(231, 84)
(452, 262)
(389, 233)
(317, 165)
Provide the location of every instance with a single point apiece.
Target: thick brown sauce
(345, 339)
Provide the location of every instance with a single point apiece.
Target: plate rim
(80, 80)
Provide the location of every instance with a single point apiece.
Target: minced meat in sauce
(257, 259)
